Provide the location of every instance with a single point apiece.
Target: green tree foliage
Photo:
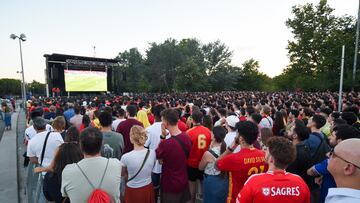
(36, 88)
(216, 56)
(10, 87)
(132, 71)
(162, 60)
(191, 73)
(252, 78)
(315, 52)
(186, 65)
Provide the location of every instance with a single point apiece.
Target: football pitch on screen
(85, 83)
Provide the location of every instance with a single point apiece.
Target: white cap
(232, 120)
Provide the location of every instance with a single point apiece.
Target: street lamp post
(21, 38)
(19, 72)
(356, 47)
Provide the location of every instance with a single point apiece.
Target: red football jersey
(278, 186)
(241, 166)
(182, 126)
(200, 138)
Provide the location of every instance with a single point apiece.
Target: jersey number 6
(201, 141)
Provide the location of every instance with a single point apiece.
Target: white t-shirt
(36, 144)
(229, 139)
(30, 132)
(133, 161)
(153, 141)
(266, 122)
(116, 123)
(347, 195)
(75, 186)
(218, 122)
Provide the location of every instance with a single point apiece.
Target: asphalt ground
(8, 166)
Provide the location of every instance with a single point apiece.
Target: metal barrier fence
(34, 183)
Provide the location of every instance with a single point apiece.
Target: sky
(252, 29)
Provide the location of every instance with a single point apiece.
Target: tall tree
(191, 73)
(162, 60)
(252, 78)
(316, 49)
(216, 55)
(132, 71)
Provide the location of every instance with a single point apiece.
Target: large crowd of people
(192, 147)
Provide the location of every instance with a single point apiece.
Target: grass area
(85, 82)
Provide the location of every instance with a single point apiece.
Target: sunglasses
(332, 154)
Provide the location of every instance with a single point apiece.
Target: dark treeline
(187, 65)
(13, 87)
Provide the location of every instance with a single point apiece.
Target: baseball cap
(232, 120)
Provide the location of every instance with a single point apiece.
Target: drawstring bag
(98, 195)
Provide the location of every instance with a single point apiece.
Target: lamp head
(23, 37)
(13, 36)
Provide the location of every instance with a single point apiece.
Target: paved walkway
(8, 166)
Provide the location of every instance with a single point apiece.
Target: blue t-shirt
(69, 114)
(328, 180)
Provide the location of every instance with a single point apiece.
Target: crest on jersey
(266, 191)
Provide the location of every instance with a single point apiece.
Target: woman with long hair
(67, 153)
(265, 134)
(215, 182)
(72, 135)
(95, 120)
(279, 123)
(137, 169)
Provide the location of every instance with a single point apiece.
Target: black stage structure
(57, 63)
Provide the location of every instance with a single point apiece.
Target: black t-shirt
(302, 163)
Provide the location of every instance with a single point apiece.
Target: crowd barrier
(34, 183)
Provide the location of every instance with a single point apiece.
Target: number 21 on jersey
(255, 170)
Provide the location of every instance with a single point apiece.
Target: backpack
(98, 195)
(321, 151)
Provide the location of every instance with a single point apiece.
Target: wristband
(230, 149)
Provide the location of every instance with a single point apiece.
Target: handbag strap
(268, 120)
(102, 178)
(213, 153)
(142, 166)
(43, 149)
(182, 145)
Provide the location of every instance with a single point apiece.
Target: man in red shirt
(276, 185)
(244, 163)
(201, 138)
(173, 153)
